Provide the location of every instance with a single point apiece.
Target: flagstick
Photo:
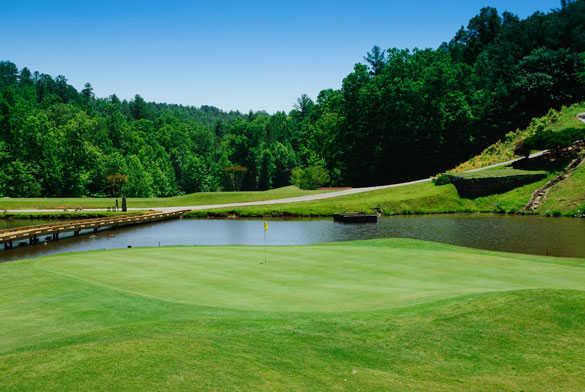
(265, 230)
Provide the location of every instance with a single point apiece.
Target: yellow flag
(265, 226)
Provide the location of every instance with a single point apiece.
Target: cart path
(297, 199)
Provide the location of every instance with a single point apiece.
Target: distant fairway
(192, 199)
(374, 315)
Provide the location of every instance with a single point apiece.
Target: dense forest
(402, 114)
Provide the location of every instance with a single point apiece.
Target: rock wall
(476, 187)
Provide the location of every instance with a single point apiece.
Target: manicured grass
(193, 199)
(376, 315)
(424, 198)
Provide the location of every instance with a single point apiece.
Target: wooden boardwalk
(35, 234)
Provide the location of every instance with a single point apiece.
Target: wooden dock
(38, 233)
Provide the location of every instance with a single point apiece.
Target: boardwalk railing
(34, 233)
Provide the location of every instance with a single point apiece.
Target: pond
(523, 234)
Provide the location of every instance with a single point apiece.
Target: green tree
(311, 177)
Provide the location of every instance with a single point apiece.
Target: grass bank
(557, 121)
(423, 198)
(375, 315)
(568, 196)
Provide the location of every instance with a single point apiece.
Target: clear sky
(259, 55)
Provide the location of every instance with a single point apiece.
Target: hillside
(555, 121)
(565, 198)
(386, 315)
(399, 115)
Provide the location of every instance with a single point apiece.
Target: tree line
(399, 115)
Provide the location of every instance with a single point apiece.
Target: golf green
(372, 315)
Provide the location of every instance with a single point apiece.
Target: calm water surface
(535, 235)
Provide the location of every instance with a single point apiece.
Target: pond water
(523, 234)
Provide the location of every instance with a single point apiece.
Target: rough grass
(378, 315)
(193, 199)
(568, 196)
(503, 150)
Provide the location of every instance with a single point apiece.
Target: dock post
(95, 229)
(55, 236)
(76, 233)
(8, 244)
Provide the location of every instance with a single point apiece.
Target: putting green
(331, 278)
(373, 315)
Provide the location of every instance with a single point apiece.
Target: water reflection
(535, 235)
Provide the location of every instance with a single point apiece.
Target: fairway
(372, 315)
(192, 199)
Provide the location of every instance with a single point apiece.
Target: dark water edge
(521, 234)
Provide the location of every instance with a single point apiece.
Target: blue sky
(259, 55)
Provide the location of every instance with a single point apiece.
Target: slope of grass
(567, 119)
(503, 150)
(192, 199)
(424, 198)
(568, 196)
(376, 315)
(499, 172)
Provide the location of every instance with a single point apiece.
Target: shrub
(550, 139)
(442, 179)
(522, 149)
(311, 177)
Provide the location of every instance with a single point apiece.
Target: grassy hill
(503, 150)
(385, 315)
(565, 198)
(424, 198)
(568, 196)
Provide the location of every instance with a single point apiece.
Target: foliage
(117, 181)
(551, 139)
(403, 114)
(514, 145)
(312, 177)
(236, 175)
(442, 179)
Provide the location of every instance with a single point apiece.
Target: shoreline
(210, 214)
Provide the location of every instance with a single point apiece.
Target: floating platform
(355, 218)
